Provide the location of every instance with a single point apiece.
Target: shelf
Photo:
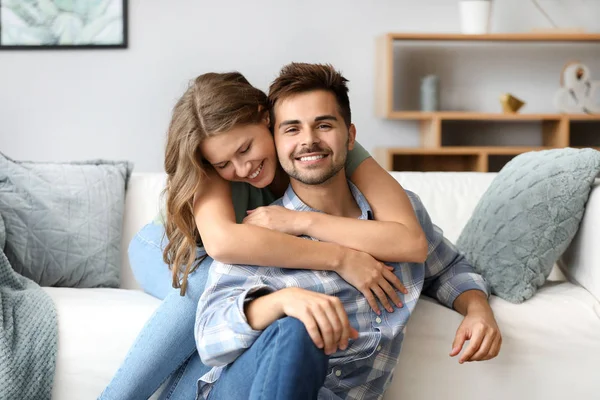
(463, 158)
(442, 128)
(481, 116)
(464, 150)
(499, 37)
(384, 100)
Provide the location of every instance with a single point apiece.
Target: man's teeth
(255, 174)
(312, 158)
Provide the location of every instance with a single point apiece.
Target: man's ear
(351, 136)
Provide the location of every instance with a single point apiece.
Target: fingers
(383, 299)
(459, 342)
(337, 326)
(393, 279)
(371, 300)
(389, 290)
(325, 328)
(491, 349)
(313, 329)
(346, 328)
(484, 349)
(474, 345)
(495, 349)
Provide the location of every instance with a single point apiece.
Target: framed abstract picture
(63, 24)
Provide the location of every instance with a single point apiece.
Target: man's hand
(479, 327)
(323, 316)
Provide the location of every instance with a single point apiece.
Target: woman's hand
(323, 316)
(371, 277)
(277, 218)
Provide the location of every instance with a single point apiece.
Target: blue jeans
(283, 363)
(165, 348)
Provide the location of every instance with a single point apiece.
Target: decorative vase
(475, 16)
(430, 96)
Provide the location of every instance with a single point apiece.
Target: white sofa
(551, 343)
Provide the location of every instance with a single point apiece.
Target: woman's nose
(243, 169)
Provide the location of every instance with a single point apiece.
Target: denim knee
(296, 335)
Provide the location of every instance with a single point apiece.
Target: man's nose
(309, 137)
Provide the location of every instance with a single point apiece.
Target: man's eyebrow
(237, 151)
(326, 118)
(289, 122)
(317, 119)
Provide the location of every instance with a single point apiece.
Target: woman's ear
(266, 118)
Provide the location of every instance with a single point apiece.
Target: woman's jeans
(165, 348)
(283, 363)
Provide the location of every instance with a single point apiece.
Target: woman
(221, 163)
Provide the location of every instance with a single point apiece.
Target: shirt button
(378, 348)
(378, 320)
(338, 372)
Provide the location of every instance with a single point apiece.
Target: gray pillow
(64, 220)
(527, 218)
(2, 233)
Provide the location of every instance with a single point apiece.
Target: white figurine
(577, 94)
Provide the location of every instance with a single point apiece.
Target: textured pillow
(64, 220)
(2, 233)
(527, 218)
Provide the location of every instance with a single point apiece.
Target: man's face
(311, 137)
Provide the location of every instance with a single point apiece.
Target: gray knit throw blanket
(28, 335)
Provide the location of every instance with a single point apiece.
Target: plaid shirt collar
(291, 201)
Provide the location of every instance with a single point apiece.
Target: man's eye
(324, 126)
(291, 130)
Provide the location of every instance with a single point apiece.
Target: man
(298, 334)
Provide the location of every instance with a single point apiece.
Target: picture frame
(63, 24)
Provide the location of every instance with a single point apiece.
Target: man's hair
(296, 78)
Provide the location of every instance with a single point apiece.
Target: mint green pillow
(527, 219)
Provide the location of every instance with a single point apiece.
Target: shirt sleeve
(447, 272)
(222, 331)
(355, 156)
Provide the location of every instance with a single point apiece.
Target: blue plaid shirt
(365, 368)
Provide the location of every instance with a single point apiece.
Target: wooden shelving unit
(432, 155)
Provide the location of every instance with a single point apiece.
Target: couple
(309, 321)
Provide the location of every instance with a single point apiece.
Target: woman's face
(246, 153)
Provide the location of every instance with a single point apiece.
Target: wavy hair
(213, 103)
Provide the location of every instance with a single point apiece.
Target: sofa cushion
(527, 218)
(64, 220)
(550, 350)
(96, 328)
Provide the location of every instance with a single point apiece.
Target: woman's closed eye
(246, 149)
(222, 166)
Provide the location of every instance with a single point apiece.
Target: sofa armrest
(581, 261)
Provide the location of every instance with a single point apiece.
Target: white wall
(74, 105)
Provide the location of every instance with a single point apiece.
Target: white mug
(475, 16)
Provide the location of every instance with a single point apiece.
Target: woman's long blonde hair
(212, 104)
